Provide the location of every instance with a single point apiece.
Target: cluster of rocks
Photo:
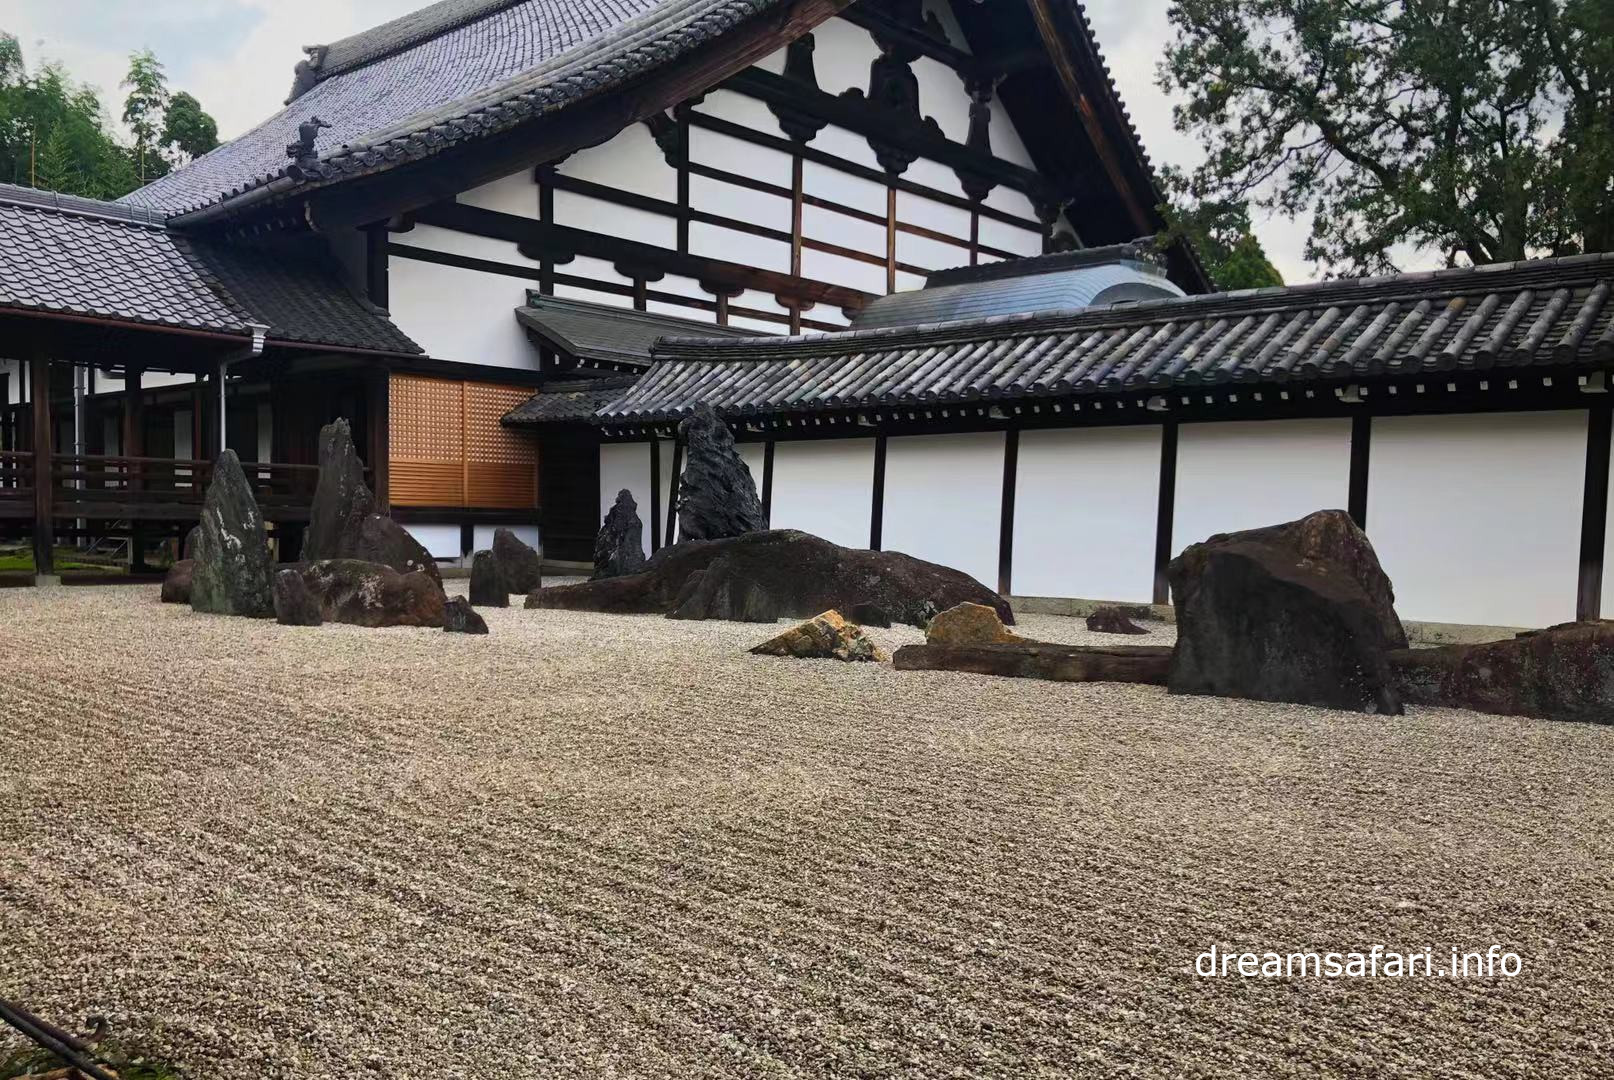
(359, 566)
(829, 636)
(971, 638)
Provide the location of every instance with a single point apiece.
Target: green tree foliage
(1219, 230)
(1483, 129)
(54, 134)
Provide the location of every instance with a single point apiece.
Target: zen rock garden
(1298, 612)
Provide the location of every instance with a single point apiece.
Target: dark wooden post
(1594, 513)
(1011, 468)
(655, 493)
(1165, 511)
(44, 483)
(379, 389)
(134, 445)
(1361, 454)
(767, 483)
(877, 501)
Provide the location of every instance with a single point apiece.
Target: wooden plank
(1042, 660)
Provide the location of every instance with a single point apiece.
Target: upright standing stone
(487, 584)
(519, 564)
(716, 496)
(233, 571)
(343, 522)
(619, 548)
(460, 618)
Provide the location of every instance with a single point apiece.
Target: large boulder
(232, 571)
(969, 624)
(1562, 673)
(295, 602)
(177, 582)
(487, 584)
(619, 547)
(520, 565)
(717, 498)
(778, 574)
(459, 617)
(823, 637)
(371, 594)
(1266, 621)
(343, 522)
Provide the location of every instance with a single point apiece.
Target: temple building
(905, 247)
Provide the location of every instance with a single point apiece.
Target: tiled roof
(452, 72)
(576, 400)
(601, 334)
(1543, 314)
(82, 257)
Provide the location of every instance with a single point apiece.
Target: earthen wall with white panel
(943, 500)
(825, 487)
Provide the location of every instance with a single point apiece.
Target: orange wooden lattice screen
(447, 447)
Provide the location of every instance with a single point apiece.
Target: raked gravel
(593, 845)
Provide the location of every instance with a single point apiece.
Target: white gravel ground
(615, 846)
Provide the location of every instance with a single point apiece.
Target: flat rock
(717, 497)
(619, 547)
(343, 521)
(767, 576)
(177, 582)
(519, 564)
(295, 603)
(1265, 622)
(371, 594)
(232, 571)
(487, 584)
(823, 637)
(460, 618)
(1026, 659)
(1562, 673)
(1113, 620)
(969, 624)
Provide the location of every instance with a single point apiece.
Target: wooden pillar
(1165, 511)
(655, 493)
(44, 485)
(378, 387)
(1011, 469)
(877, 504)
(134, 445)
(767, 482)
(1361, 446)
(1594, 514)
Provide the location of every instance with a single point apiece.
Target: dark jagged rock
(343, 522)
(460, 618)
(370, 594)
(823, 637)
(232, 571)
(619, 547)
(1256, 620)
(717, 497)
(868, 615)
(1113, 620)
(177, 583)
(295, 603)
(1330, 543)
(487, 584)
(780, 574)
(1561, 673)
(519, 565)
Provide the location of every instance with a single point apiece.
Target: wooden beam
(1165, 510)
(655, 495)
(1594, 513)
(44, 483)
(877, 506)
(375, 264)
(767, 482)
(1011, 468)
(1361, 446)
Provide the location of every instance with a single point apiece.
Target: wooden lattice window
(447, 447)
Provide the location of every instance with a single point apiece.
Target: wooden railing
(16, 484)
(168, 489)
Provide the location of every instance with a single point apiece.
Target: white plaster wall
(716, 242)
(943, 500)
(842, 55)
(1010, 238)
(840, 187)
(849, 146)
(432, 238)
(626, 465)
(514, 194)
(463, 315)
(1263, 472)
(839, 270)
(482, 536)
(630, 161)
(440, 541)
(739, 109)
(610, 219)
(741, 203)
(720, 151)
(1085, 505)
(942, 97)
(833, 227)
(752, 454)
(1477, 518)
(825, 487)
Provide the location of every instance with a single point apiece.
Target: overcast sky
(236, 56)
